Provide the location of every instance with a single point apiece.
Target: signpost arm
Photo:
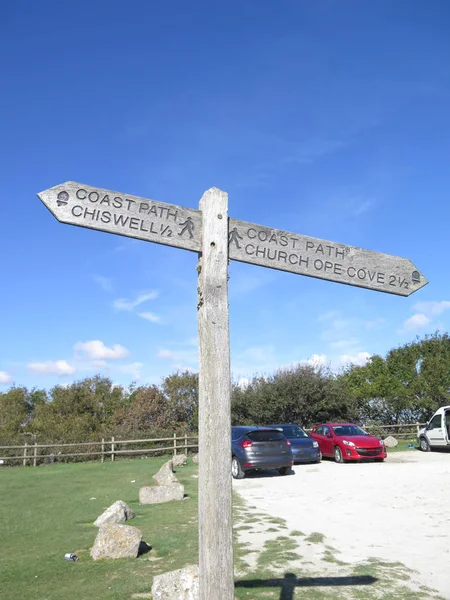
(215, 491)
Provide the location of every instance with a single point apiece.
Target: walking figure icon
(234, 237)
(188, 226)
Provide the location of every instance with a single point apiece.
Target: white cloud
(344, 344)
(183, 368)
(331, 314)
(182, 359)
(5, 378)
(417, 321)
(360, 358)
(97, 350)
(432, 308)
(104, 282)
(149, 316)
(360, 207)
(243, 383)
(57, 367)
(100, 364)
(130, 305)
(375, 323)
(259, 354)
(133, 369)
(316, 360)
(166, 354)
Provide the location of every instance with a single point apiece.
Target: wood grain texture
(215, 490)
(123, 214)
(173, 225)
(304, 255)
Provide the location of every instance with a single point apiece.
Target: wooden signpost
(217, 239)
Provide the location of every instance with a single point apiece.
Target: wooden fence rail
(178, 443)
(31, 452)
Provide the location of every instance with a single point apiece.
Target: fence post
(175, 444)
(185, 444)
(35, 455)
(25, 455)
(417, 428)
(112, 448)
(103, 449)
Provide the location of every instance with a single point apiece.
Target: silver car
(255, 448)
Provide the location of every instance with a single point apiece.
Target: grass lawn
(403, 445)
(48, 511)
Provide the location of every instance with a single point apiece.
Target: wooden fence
(32, 453)
(403, 431)
(111, 448)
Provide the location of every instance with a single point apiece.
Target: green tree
(181, 391)
(14, 413)
(408, 385)
(301, 394)
(145, 413)
(78, 412)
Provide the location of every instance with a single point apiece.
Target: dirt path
(396, 511)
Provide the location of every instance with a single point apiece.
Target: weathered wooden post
(214, 484)
(218, 239)
(35, 455)
(175, 444)
(103, 450)
(185, 444)
(24, 463)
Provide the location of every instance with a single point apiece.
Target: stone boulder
(390, 442)
(195, 459)
(179, 460)
(157, 494)
(116, 541)
(119, 512)
(166, 476)
(177, 585)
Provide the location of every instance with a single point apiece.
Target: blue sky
(326, 118)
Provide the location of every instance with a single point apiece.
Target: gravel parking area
(395, 511)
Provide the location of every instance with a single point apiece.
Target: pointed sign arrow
(172, 225)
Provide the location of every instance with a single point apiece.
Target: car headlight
(315, 444)
(347, 443)
(381, 443)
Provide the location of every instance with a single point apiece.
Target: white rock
(116, 541)
(119, 512)
(179, 460)
(166, 476)
(390, 442)
(157, 494)
(177, 585)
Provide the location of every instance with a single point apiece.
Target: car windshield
(265, 435)
(293, 432)
(348, 430)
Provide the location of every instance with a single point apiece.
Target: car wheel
(236, 471)
(379, 460)
(338, 455)
(320, 457)
(284, 470)
(424, 444)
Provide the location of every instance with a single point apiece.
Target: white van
(436, 433)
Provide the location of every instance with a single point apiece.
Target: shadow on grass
(291, 581)
(144, 548)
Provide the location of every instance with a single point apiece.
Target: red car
(345, 441)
